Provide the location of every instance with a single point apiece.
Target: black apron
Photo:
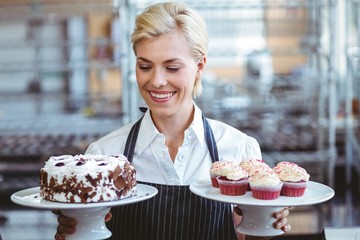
(175, 213)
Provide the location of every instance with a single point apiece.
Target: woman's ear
(201, 66)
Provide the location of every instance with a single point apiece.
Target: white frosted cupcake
(253, 165)
(234, 182)
(294, 177)
(220, 168)
(265, 185)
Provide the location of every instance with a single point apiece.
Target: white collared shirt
(152, 160)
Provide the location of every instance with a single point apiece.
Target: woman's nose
(158, 79)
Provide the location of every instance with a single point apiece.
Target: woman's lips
(162, 95)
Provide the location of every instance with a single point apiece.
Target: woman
(173, 145)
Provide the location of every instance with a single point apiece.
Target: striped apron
(175, 213)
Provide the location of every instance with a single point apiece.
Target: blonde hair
(167, 18)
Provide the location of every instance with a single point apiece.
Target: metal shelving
(352, 88)
(49, 41)
(53, 9)
(44, 47)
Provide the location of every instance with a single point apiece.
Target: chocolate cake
(87, 178)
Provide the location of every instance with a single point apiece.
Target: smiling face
(166, 72)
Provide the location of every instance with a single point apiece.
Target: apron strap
(134, 132)
(210, 140)
(131, 140)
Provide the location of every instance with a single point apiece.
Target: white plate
(314, 193)
(30, 198)
(257, 214)
(90, 217)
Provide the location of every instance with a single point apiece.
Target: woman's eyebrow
(172, 60)
(166, 61)
(142, 59)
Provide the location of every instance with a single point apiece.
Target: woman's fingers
(108, 217)
(282, 214)
(63, 229)
(280, 223)
(57, 212)
(286, 227)
(67, 225)
(281, 220)
(238, 210)
(59, 236)
(66, 221)
(66, 229)
(283, 225)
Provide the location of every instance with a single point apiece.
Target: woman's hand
(67, 225)
(281, 220)
(280, 217)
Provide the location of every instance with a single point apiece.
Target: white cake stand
(257, 217)
(90, 217)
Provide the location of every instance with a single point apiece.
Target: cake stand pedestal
(258, 221)
(90, 223)
(90, 217)
(257, 217)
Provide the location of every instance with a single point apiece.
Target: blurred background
(284, 71)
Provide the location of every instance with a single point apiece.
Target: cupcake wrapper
(293, 189)
(213, 177)
(265, 192)
(233, 187)
(214, 182)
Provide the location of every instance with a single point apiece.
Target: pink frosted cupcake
(265, 185)
(294, 177)
(253, 165)
(234, 182)
(220, 168)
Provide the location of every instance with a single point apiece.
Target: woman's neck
(173, 128)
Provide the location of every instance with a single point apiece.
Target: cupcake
(265, 185)
(253, 165)
(234, 182)
(220, 168)
(294, 177)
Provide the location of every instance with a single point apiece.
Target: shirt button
(189, 135)
(181, 157)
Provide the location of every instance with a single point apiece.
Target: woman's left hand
(281, 220)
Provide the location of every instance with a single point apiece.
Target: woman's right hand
(67, 225)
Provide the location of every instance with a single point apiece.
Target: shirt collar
(148, 131)
(197, 126)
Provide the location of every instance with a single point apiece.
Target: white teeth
(161, 96)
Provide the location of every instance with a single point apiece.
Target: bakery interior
(284, 71)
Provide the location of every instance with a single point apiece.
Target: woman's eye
(144, 68)
(172, 69)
